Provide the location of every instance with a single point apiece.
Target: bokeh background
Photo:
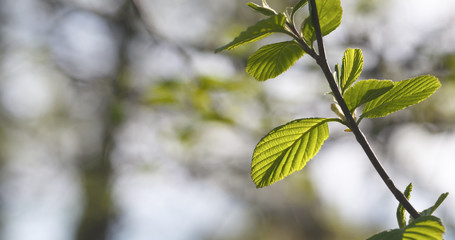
(118, 121)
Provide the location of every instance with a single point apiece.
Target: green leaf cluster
(287, 148)
(423, 228)
(271, 60)
(380, 97)
(426, 227)
(403, 94)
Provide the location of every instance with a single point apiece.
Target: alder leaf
(329, 13)
(265, 9)
(258, 31)
(351, 67)
(287, 149)
(403, 94)
(401, 211)
(423, 228)
(430, 210)
(271, 60)
(365, 91)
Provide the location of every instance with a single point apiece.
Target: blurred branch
(153, 32)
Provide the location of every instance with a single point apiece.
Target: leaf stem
(360, 137)
(295, 34)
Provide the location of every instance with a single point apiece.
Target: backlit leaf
(351, 67)
(287, 149)
(258, 31)
(423, 228)
(329, 13)
(365, 91)
(430, 210)
(403, 94)
(264, 10)
(401, 211)
(271, 60)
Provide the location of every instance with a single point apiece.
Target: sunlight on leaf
(430, 210)
(401, 211)
(403, 94)
(365, 91)
(287, 149)
(351, 68)
(423, 228)
(330, 13)
(258, 31)
(271, 60)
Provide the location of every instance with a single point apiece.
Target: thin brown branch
(361, 139)
(295, 34)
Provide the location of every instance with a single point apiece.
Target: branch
(317, 29)
(361, 139)
(295, 34)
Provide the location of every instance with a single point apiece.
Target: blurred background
(118, 121)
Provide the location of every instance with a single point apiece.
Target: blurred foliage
(95, 111)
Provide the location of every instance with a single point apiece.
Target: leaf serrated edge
(268, 180)
(249, 35)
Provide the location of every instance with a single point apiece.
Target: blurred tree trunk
(97, 172)
(96, 175)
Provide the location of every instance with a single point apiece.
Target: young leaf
(329, 13)
(264, 10)
(365, 91)
(403, 94)
(423, 228)
(429, 211)
(337, 73)
(260, 30)
(271, 60)
(287, 149)
(297, 7)
(350, 68)
(401, 214)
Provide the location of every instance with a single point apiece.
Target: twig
(295, 34)
(322, 62)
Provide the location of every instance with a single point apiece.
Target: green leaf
(287, 149)
(297, 7)
(271, 60)
(430, 210)
(265, 4)
(351, 67)
(423, 228)
(365, 91)
(265, 9)
(258, 31)
(166, 92)
(329, 13)
(403, 94)
(337, 73)
(401, 214)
